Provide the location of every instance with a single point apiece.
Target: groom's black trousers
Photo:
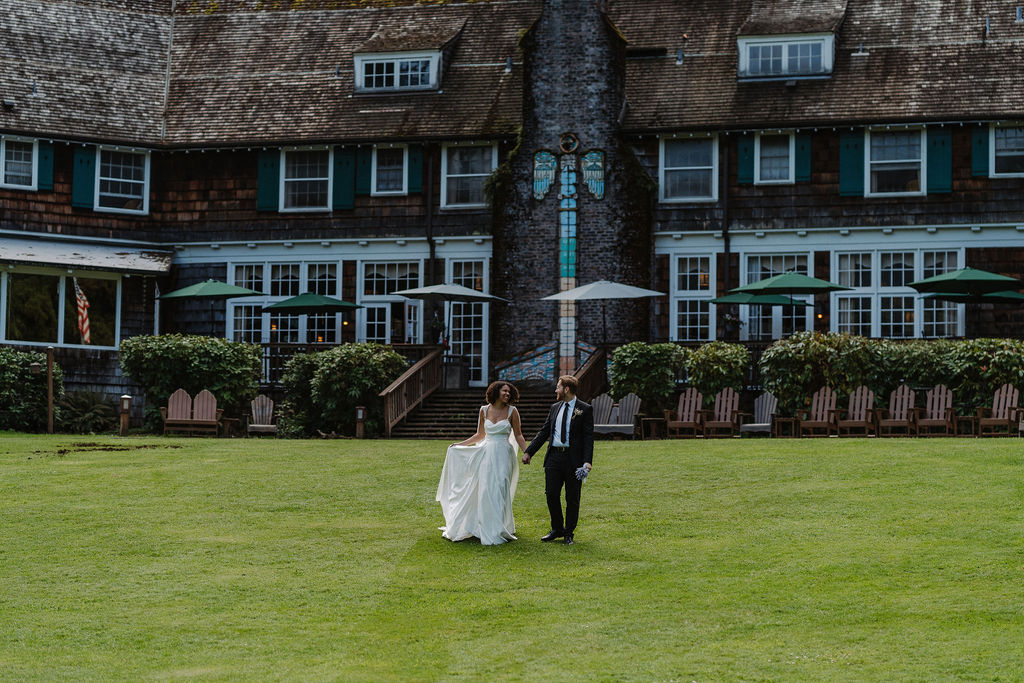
(559, 471)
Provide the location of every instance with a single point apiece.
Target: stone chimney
(553, 234)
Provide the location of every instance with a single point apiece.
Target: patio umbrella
(211, 289)
(789, 284)
(758, 300)
(310, 304)
(967, 281)
(1007, 297)
(448, 292)
(602, 290)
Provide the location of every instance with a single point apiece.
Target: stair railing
(593, 375)
(403, 395)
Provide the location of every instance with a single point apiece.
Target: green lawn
(215, 559)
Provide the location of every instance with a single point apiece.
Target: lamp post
(360, 422)
(126, 407)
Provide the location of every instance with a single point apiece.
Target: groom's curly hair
(494, 392)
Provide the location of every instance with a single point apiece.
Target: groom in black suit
(569, 433)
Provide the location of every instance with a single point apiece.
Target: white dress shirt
(556, 439)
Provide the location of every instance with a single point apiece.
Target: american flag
(83, 312)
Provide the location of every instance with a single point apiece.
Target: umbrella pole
(604, 323)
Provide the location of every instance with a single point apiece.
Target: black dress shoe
(568, 539)
(552, 535)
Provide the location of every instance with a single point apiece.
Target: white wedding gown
(477, 486)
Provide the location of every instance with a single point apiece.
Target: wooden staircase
(452, 414)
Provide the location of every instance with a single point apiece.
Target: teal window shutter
(44, 170)
(802, 155)
(364, 168)
(83, 179)
(979, 151)
(851, 163)
(940, 161)
(344, 178)
(415, 177)
(745, 160)
(268, 181)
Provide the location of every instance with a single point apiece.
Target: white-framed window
(306, 180)
(688, 169)
(692, 310)
(388, 173)
(895, 163)
(122, 181)
(45, 306)
(773, 322)
(881, 303)
(468, 335)
(397, 71)
(282, 281)
(464, 169)
(1006, 145)
(384, 318)
(786, 56)
(19, 163)
(774, 158)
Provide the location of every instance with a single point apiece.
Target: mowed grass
(213, 559)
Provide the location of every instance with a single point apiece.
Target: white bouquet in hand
(581, 473)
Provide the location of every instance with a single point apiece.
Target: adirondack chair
(261, 420)
(602, 406)
(725, 415)
(178, 413)
(821, 414)
(622, 419)
(901, 413)
(937, 412)
(860, 413)
(205, 413)
(686, 415)
(763, 416)
(1003, 413)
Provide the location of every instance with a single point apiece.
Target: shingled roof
(926, 60)
(261, 72)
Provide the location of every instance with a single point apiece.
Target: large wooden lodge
(520, 147)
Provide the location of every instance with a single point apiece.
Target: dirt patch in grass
(85, 446)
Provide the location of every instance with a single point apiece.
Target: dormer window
(767, 57)
(395, 72)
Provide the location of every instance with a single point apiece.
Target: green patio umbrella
(310, 304)
(789, 284)
(1007, 297)
(967, 281)
(211, 289)
(758, 300)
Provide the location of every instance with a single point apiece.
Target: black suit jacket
(581, 433)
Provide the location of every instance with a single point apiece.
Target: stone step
(453, 414)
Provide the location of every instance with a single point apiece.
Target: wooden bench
(621, 419)
(182, 414)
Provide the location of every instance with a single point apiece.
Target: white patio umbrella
(602, 290)
(448, 292)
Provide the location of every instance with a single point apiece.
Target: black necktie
(565, 425)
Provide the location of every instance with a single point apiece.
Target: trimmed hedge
(162, 364)
(794, 368)
(647, 370)
(323, 389)
(23, 393)
(717, 365)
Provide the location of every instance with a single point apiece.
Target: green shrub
(980, 366)
(23, 392)
(86, 412)
(797, 366)
(323, 389)
(647, 370)
(162, 364)
(716, 365)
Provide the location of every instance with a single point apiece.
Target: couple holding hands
(480, 474)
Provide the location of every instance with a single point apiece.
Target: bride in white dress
(478, 480)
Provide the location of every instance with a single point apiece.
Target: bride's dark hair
(494, 392)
